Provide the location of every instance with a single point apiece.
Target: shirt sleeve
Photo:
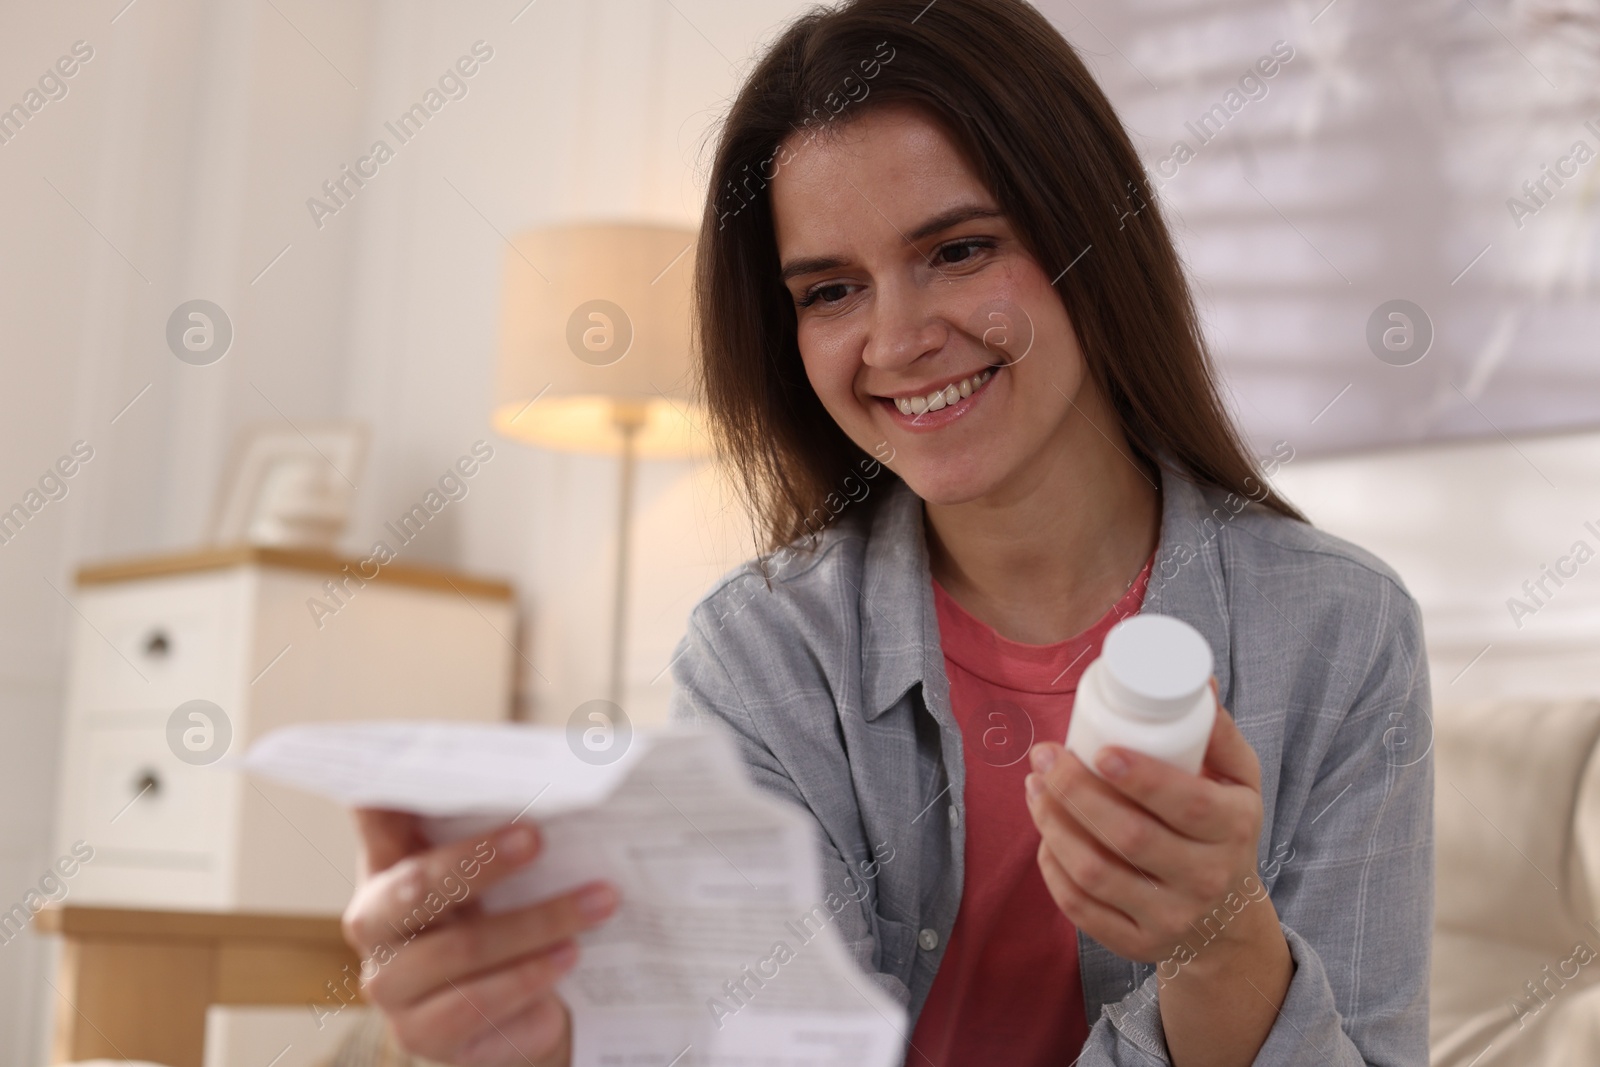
(705, 695)
(1355, 893)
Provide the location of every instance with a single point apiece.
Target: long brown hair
(1014, 95)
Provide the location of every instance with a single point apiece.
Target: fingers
(1096, 869)
(1200, 808)
(482, 944)
(1133, 854)
(1095, 859)
(419, 889)
(387, 837)
(1228, 755)
(1106, 924)
(457, 985)
(515, 1042)
(1115, 821)
(457, 1015)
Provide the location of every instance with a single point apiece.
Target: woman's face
(924, 323)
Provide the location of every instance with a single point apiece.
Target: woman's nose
(904, 325)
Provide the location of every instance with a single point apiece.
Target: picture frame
(290, 486)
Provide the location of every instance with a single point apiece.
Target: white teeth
(953, 393)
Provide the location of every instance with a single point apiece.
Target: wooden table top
(217, 558)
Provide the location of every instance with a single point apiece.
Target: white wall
(1466, 525)
(591, 110)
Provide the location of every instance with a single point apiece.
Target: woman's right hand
(456, 985)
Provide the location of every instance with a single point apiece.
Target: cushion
(1516, 965)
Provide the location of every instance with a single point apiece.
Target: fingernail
(596, 902)
(565, 956)
(1043, 757)
(1112, 765)
(519, 841)
(1031, 785)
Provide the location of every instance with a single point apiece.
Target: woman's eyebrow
(943, 221)
(810, 265)
(953, 217)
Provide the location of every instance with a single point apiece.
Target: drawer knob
(158, 645)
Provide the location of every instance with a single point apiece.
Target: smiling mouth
(948, 396)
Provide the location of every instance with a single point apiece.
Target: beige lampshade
(594, 335)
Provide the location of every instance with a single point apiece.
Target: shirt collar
(899, 624)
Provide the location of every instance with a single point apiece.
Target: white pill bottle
(1150, 691)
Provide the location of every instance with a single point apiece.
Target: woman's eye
(822, 292)
(966, 250)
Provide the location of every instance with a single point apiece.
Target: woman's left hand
(1138, 859)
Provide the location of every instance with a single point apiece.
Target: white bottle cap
(1155, 666)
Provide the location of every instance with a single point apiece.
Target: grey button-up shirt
(831, 680)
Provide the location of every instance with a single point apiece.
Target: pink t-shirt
(1008, 989)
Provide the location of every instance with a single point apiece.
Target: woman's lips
(929, 420)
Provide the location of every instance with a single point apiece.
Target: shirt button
(955, 815)
(928, 939)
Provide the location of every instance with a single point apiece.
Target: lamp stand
(629, 419)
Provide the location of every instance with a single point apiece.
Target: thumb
(387, 837)
(1228, 755)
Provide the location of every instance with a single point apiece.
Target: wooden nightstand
(137, 983)
(242, 629)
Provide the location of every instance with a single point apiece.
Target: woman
(947, 343)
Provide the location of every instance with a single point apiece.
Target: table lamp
(594, 357)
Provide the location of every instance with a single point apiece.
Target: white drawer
(152, 638)
(157, 644)
(142, 807)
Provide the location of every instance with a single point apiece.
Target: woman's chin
(949, 487)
